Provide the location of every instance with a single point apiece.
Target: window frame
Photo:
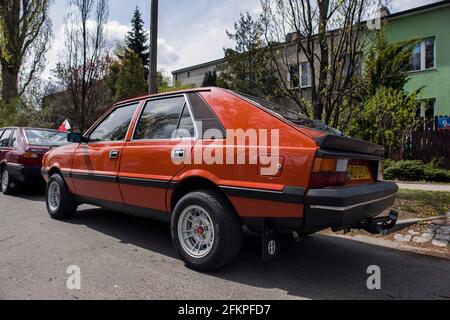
(187, 104)
(9, 138)
(101, 120)
(301, 75)
(423, 55)
(291, 85)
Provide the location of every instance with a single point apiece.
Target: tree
(130, 81)
(385, 112)
(137, 40)
(247, 68)
(210, 79)
(325, 38)
(25, 33)
(84, 63)
(386, 64)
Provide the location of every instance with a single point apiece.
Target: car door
(5, 144)
(156, 151)
(96, 163)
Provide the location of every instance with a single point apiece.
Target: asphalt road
(122, 257)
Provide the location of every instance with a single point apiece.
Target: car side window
(114, 128)
(161, 118)
(4, 140)
(15, 139)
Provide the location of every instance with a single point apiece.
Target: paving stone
(440, 243)
(428, 236)
(421, 240)
(443, 237)
(402, 238)
(443, 231)
(413, 233)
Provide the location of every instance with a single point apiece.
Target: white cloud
(115, 32)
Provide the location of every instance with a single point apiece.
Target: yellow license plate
(359, 173)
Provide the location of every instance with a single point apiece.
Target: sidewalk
(424, 186)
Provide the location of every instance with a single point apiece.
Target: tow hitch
(380, 225)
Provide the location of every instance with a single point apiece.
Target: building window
(427, 114)
(189, 74)
(305, 74)
(299, 76)
(293, 76)
(423, 57)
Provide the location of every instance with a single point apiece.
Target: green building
(430, 67)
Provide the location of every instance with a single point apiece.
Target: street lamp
(153, 71)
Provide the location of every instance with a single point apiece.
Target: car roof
(166, 94)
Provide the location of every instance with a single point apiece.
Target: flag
(65, 126)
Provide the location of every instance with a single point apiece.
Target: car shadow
(320, 267)
(31, 191)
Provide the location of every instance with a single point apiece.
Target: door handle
(178, 154)
(114, 154)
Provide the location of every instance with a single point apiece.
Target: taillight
(30, 158)
(329, 173)
(30, 155)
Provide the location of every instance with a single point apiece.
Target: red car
(21, 153)
(211, 161)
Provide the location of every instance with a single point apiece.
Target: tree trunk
(10, 79)
(324, 56)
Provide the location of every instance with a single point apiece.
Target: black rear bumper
(346, 207)
(22, 173)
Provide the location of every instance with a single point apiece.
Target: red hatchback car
(211, 161)
(21, 153)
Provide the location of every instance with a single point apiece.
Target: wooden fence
(427, 146)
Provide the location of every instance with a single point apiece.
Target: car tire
(60, 203)
(7, 185)
(213, 223)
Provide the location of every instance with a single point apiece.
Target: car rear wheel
(206, 231)
(7, 184)
(60, 203)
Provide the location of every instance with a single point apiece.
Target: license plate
(359, 173)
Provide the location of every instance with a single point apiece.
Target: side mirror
(75, 137)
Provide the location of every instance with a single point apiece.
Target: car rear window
(45, 138)
(297, 118)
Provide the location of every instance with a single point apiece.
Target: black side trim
(341, 143)
(127, 209)
(293, 195)
(162, 184)
(94, 177)
(144, 182)
(66, 174)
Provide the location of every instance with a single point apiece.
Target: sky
(190, 31)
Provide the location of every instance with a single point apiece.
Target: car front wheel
(206, 231)
(60, 203)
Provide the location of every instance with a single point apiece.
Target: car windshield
(296, 118)
(45, 138)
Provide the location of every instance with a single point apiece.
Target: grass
(425, 204)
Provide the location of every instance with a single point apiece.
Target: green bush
(415, 171)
